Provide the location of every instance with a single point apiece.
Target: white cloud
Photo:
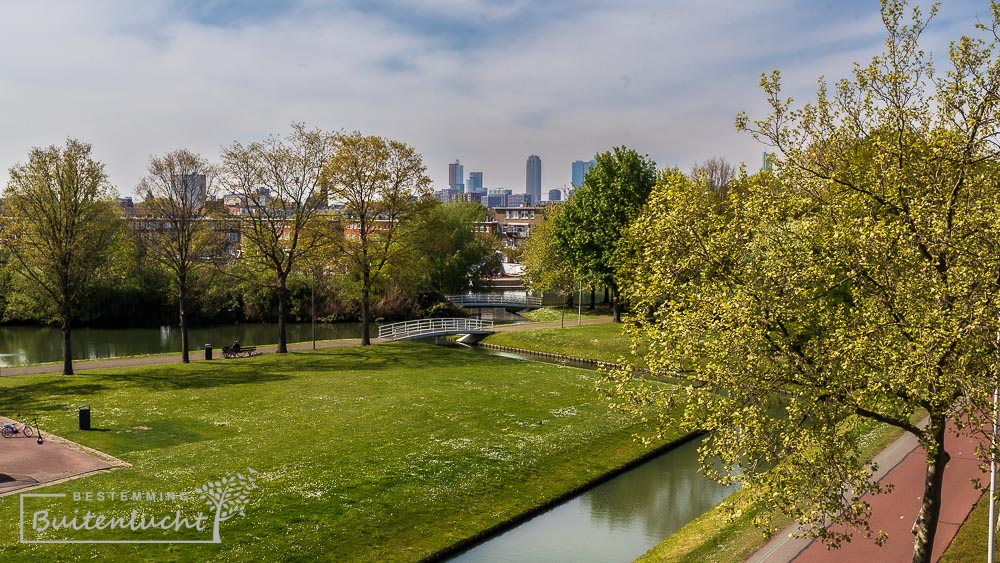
(484, 81)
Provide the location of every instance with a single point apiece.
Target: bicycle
(22, 427)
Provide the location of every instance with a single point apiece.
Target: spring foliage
(859, 280)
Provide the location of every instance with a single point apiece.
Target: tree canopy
(279, 180)
(590, 228)
(184, 243)
(61, 229)
(859, 281)
(378, 181)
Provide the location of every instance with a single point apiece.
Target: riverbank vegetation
(364, 454)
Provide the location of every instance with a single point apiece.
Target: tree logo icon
(228, 497)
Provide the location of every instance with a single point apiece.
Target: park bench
(244, 351)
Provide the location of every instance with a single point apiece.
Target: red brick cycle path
(903, 465)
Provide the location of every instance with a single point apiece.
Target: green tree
(589, 230)
(546, 267)
(861, 279)
(177, 234)
(61, 227)
(451, 255)
(378, 180)
(279, 181)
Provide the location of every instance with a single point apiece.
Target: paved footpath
(901, 464)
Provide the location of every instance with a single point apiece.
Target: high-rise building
(580, 168)
(456, 172)
(555, 195)
(475, 183)
(533, 178)
(193, 189)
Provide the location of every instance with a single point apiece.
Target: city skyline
(141, 79)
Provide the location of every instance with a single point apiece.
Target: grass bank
(971, 540)
(595, 342)
(570, 315)
(390, 452)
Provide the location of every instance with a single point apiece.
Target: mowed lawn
(390, 452)
(603, 341)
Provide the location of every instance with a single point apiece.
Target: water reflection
(616, 521)
(20, 345)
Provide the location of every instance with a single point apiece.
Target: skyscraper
(455, 174)
(533, 180)
(580, 168)
(475, 183)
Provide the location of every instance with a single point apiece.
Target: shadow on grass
(34, 396)
(397, 355)
(170, 378)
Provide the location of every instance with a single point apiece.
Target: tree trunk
(925, 528)
(616, 303)
(606, 299)
(67, 349)
(185, 341)
(282, 313)
(365, 338)
(593, 297)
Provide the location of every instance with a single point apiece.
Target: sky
(488, 82)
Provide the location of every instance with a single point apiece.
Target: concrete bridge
(495, 300)
(473, 330)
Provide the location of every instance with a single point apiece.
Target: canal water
(23, 345)
(616, 521)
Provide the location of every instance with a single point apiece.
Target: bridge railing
(409, 329)
(494, 299)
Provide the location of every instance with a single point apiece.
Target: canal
(616, 521)
(23, 345)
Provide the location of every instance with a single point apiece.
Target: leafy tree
(716, 173)
(61, 228)
(177, 235)
(861, 279)
(451, 256)
(378, 180)
(546, 267)
(590, 228)
(279, 180)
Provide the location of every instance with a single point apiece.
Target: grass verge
(596, 342)
(552, 314)
(971, 540)
(717, 535)
(363, 454)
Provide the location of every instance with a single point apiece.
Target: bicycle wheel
(27, 431)
(8, 431)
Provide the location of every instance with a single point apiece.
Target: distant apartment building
(448, 196)
(514, 224)
(580, 168)
(497, 197)
(475, 183)
(555, 195)
(194, 188)
(533, 178)
(456, 172)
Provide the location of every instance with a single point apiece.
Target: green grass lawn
(597, 342)
(551, 314)
(391, 452)
(972, 538)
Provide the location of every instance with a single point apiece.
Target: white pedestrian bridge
(506, 300)
(473, 330)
